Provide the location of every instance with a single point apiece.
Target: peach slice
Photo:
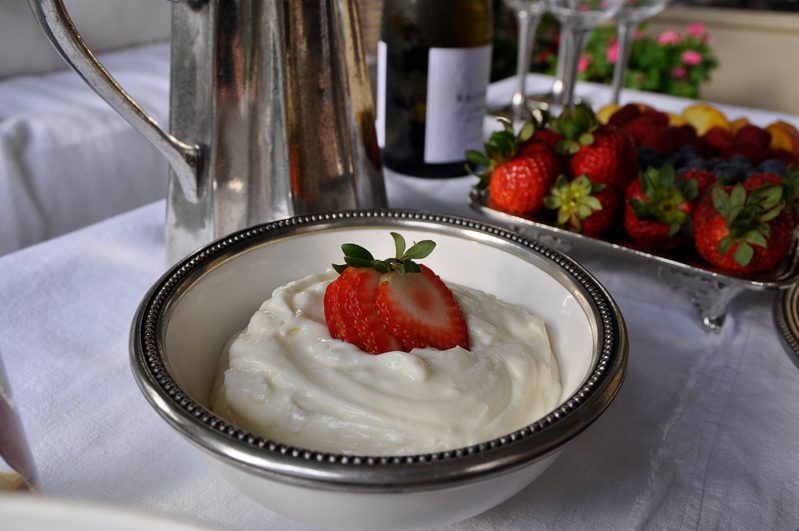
(703, 116)
(675, 120)
(603, 115)
(784, 136)
(736, 125)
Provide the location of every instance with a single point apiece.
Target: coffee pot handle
(185, 159)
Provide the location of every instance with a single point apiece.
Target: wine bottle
(434, 62)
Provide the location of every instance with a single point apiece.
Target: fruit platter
(713, 202)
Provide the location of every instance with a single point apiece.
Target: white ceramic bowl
(188, 315)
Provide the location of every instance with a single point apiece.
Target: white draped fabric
(703, 434)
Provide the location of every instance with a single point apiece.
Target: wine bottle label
(457, 80)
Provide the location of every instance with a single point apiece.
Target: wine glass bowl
(577, 19)
(628, 19)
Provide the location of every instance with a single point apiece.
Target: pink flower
(691, 57)
(678, 72)
(613, 52)
(585, 62)
(696, 29)
(638, 34)
(669, 37)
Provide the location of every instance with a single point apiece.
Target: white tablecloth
(703, 434)
(67, 159)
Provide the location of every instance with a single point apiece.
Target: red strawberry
(788, 157)
(584, 206)
(548, 136)
(754, 134)
(395, 304)
(520, 170)
(658, 208)
(743, 231)
(789, 184)
(605, 153)
(755, 153)
(610, 159)
(338, 322)
(684, 135)
(660, 139)
(639, 128)
(658, 116)
(760, 179)
(717, 137)
(356, 319)
(624, 115)
(704, 180)
(420, 310)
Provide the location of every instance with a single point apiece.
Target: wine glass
(528, 15)
(628, 19)
(578, 18)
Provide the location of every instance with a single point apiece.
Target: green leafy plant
(669, 63)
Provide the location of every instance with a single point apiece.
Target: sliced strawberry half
(420, 310)
(362, 312)
(393, 304)
(338, 322)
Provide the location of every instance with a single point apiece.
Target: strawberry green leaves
(500, 148)
(576, 125)
(574, 200)
(747, 217)
(402, 262)
(666, 196)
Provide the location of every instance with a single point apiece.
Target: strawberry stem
(403, 261)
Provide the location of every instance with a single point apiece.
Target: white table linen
(703, 434)
(67, 159)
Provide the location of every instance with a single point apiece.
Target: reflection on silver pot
(271, 112)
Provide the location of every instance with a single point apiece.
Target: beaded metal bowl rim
(786, 317)
(299, 466)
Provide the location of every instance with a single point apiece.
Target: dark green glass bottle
(434, 62)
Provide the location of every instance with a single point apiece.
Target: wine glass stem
(527, 23)
(625, 30)
(575, 41)
(557, 86)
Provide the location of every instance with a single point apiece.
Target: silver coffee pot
(271, 112)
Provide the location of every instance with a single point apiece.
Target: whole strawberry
(394, 304)
(754, 134)
(704, 180)
(605, 153)
(547, 136)
(520, 169)
(583, 206)
(789, 184)
(743, 231)
(658, 208)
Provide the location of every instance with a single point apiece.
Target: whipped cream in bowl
(286, 379)
(424, 438)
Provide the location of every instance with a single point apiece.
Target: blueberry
(773, 166)
(751, 171)
(689, 152)
(646, 157)
(695, 163)
(731, 172)
(714, 163)
(740, 159)
(674, 158)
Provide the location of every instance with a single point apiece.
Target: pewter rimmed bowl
(186, 318)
